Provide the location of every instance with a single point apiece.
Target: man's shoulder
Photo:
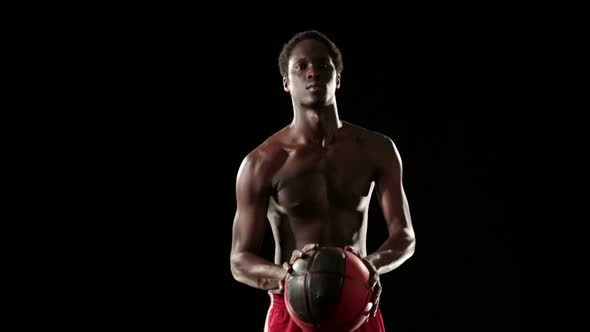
(270, 148)
(368, 135)
(267, 154)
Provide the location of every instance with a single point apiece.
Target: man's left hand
(373, 280)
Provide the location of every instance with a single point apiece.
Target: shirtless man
(312, 181)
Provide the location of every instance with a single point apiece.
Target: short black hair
(333, 50)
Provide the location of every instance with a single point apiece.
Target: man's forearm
(394, 251)
(255, 271)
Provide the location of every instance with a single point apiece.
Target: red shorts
(278, 319)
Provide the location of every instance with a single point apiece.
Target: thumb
(368, 308)
(288, 268)
(352, 250)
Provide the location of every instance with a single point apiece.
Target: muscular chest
(322, 178)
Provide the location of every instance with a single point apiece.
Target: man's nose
(312, 72)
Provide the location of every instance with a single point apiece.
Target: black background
(169, 107)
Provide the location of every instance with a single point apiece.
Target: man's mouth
(314, 86)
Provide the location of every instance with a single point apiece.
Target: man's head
(311, 64)
(333, 50)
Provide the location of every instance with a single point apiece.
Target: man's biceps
(251, 220)
(390, 193)
(252, 199)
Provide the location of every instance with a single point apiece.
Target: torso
(321, 194)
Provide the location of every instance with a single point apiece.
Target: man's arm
(400, 244)
(252, 195)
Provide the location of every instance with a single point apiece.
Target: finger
(374, 308)
(368, 309)
(287, 267)
(309, 247)
(375, 279)
(352, 250)
(376, 293)
(375, 299)
(294, 256)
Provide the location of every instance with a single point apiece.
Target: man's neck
(316, 126)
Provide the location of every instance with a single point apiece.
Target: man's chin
(315, 102)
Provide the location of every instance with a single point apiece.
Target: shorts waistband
(277, 298)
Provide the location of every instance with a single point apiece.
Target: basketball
(328, 290)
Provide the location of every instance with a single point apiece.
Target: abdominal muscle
(342, 228)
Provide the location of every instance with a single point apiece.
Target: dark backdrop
(169, 107)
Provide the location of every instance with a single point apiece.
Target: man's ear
(286, 84)
(337, 81)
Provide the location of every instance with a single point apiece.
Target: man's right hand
(295, 255)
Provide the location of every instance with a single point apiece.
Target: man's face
(312, 78)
